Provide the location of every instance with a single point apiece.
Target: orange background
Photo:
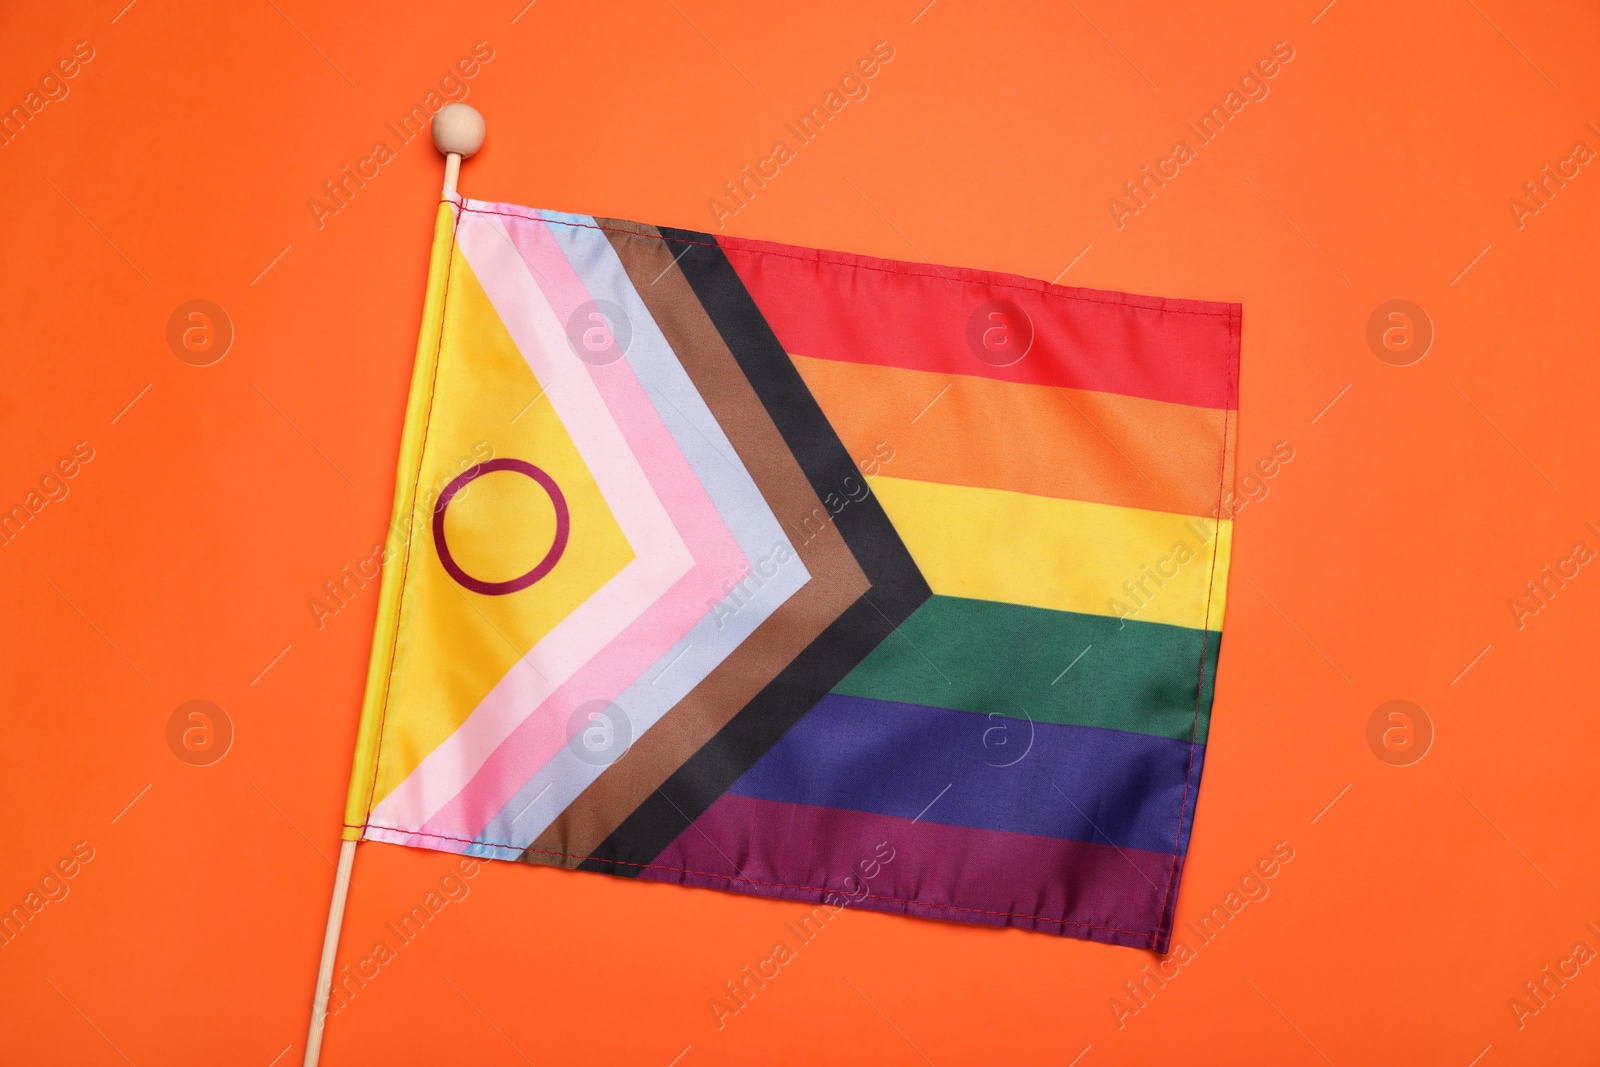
(1378, 566)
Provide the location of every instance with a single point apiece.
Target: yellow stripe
(1066, 555)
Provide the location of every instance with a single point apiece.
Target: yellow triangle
(454, 645)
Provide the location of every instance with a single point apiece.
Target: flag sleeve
(397, 544)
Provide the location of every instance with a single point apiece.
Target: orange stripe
(1037, 439)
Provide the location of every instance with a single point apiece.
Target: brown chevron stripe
(836, 579)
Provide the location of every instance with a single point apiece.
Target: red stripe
(834, 305)
(920, 867)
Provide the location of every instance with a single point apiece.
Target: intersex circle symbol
(544, 566)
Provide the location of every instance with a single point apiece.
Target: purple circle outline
(557, 547)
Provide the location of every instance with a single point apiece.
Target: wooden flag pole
(458, 132)
(330, 946)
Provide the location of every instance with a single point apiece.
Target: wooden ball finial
(458, 129)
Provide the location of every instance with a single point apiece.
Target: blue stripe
(1077, 783)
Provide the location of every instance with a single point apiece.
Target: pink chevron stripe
(661, 556)
(718, 562)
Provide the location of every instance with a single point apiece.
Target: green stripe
(1008, 659)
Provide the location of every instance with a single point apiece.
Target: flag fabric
(802, 574)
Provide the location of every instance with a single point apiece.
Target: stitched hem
(858, 261)
(1150, 935)
(422, 455)
(1205, 633)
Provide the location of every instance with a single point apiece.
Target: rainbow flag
(802, 574)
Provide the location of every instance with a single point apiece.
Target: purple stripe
(1081, 783)
(910, 867)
